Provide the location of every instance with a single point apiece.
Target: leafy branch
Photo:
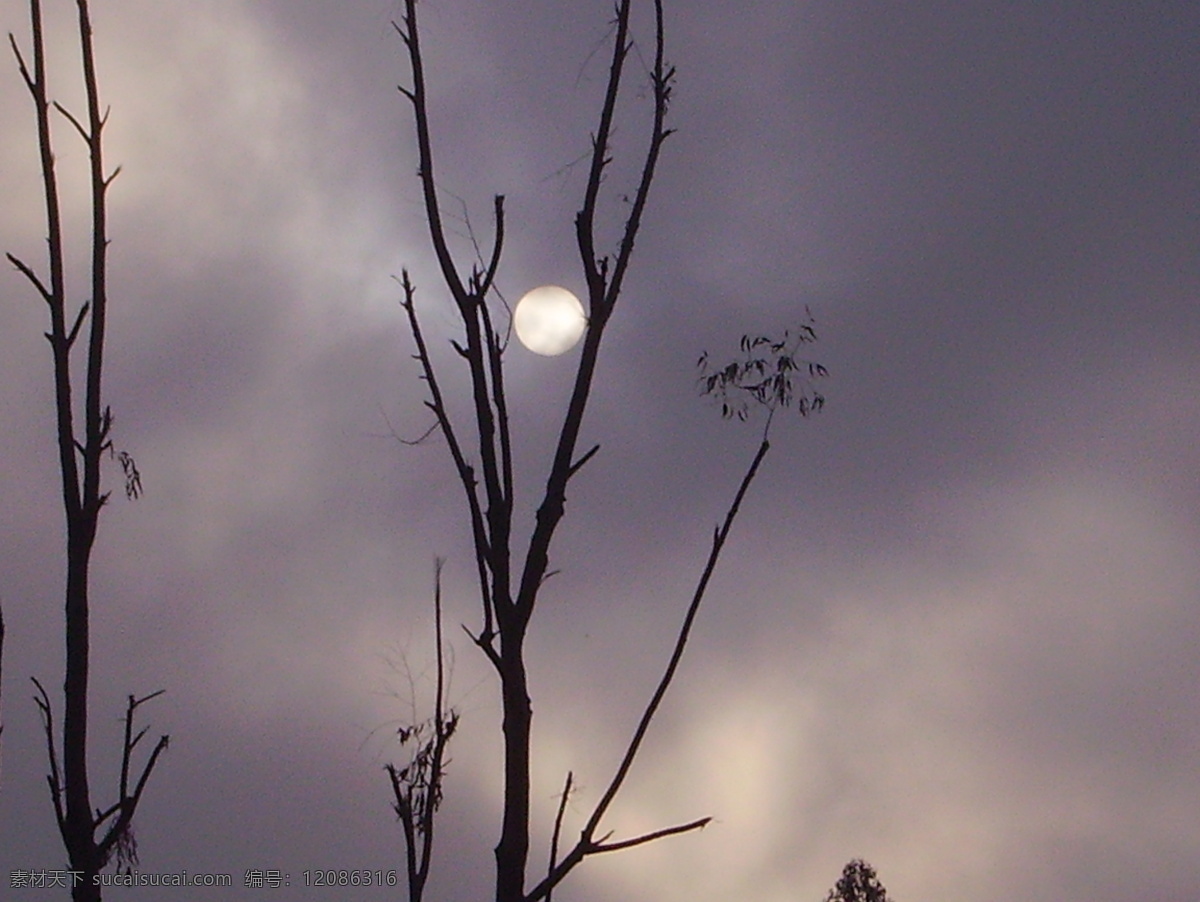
(766, 374)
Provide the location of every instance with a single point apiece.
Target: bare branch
(43, 702)
(680, 643)
(662, 79)
(54, 294)
(485, 641)
(465, 472)
(601, 299)
(12, 41)
(75, 122)
(469, 303)
(159, 748)
(497, 245)
(699, 824)
(79, 317)
(412, 41)
(496, 369)
(126, 805)
(424, 435)
(443, 729)
(418, 787)
(586, 218)
(481, 350)
(133, 705)
(575, 467)
(558, 819)
(96, 415)
(32, 277)
(587, 845)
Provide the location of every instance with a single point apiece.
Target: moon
(549, 320)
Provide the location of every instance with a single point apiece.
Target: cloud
(953, 631)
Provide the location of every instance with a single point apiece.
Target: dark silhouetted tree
(92, 836)
(858, 884)
(417, 786)
(482, 454)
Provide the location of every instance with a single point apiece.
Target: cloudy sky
(955, 631)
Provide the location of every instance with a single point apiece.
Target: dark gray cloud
(955, 631)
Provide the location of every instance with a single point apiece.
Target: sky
(955, 629)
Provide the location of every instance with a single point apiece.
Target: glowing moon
(549, 320)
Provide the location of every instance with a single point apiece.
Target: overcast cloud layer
(956, 629)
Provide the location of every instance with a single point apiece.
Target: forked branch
(466, 472)
(602, 294)
(118, 836)
(766, 377)
(417, 787)
(481, 351)
(588, 844)
(410, 34)
(53, 778)
(118, 832)
(662, 77)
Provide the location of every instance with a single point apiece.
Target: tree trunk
(78, 829)
(512, 852)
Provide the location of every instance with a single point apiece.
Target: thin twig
(698, 824)
(558, 819)
(42, 700)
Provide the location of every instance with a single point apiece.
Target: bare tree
(417, 786)
(91, 836)
(482, 454)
